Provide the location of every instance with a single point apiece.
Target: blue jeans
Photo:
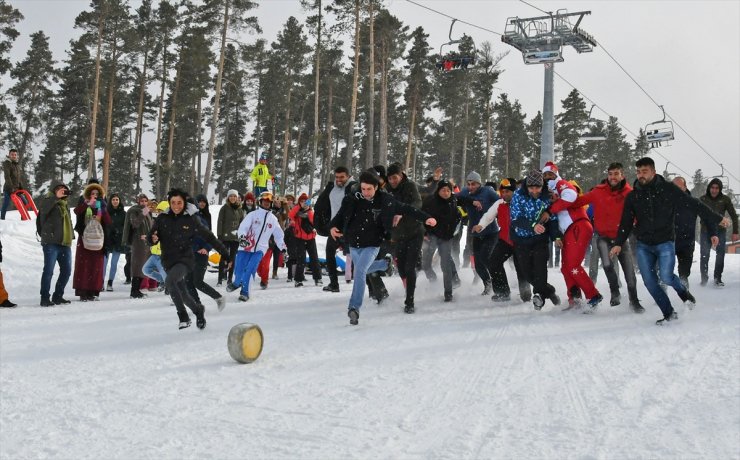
(245, 266)
(663, 257)
(111, 257)
(53, 254)
(153, 269)
(6, 204)
(705, 247)
(363, 261)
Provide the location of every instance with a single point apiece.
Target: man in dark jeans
(54, 226)
(327, 206)
(650, 210)
(685, 226)
(476, 200)
(721, 204)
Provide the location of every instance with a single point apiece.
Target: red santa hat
(550, 167)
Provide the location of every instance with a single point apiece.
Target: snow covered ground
(117, 379)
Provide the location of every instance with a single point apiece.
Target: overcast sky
(686, 54)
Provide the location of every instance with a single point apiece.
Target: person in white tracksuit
(254, 239)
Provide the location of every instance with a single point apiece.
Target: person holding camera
(54, 226)
(305, 240)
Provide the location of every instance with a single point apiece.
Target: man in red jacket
(302, 217)
(608, 201)
(577, 231)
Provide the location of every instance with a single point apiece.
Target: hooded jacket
(298, 217)
(525, 211)
(720, 205)
(176, 233)
(54, 223)
(444, 211)
(607, 206)
(650, 210)
(13, 176)
(406, 192)
(365, 223)
(322, 210)
(229, 218)
(486, 196)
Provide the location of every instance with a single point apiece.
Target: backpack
(93, 237)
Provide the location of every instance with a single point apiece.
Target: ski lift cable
(536, 8)
(456, 19)
(618, 122)
(601, 45)
(666, 113)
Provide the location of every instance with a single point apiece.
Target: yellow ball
(245, 342)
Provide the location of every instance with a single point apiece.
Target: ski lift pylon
(452, 60)
(659, 131)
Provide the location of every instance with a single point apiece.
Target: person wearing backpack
(305, 240)
(92, 221)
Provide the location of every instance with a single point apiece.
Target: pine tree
(418, 86)
(487, 73)
(510, 138)
(533, 150)
(33, 92)
(569, 125)
(9, 17)
(700, 183)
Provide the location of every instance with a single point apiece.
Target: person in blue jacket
(476, 199)
(531, 238)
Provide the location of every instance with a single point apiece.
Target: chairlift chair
(589, 134)
(723, 178)
(452, 60)
(659, 131)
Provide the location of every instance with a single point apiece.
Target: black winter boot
(109, 287)
(136, 288)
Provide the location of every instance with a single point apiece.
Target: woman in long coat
(135, 230)
(89, 265)
(114, 235)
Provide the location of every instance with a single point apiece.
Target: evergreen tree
(33, 93)
(510, 138)
(9, 17)
(569, 126)
(700, 183)
(534, 144)
(418, 86)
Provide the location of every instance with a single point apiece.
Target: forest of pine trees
(171, 94)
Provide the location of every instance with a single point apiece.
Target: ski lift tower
(541, 40)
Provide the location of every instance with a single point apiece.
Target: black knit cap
(444, 183)
(380, 171)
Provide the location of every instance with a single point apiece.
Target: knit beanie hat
(534, 178)
(380, 171)
(474, 177)
(249, 196)
(444, 183)
(508, 184)
(550, 167)
(232, 192)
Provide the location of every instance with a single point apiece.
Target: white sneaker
(221, 302)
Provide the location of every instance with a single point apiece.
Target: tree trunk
(315, 150)
(219, 77)
(506, 155)
(489, 139)
(195, 156)
(370, 154)
(286, 142)
(222, 176)
(91, 167)
(329, 133)
(412, 128)
(355, 80)
(109, 124)
(173, 115)
(383, 135)
(140, 123)
(465, 144)
(298, 150)
(158, 167)
(23, 158)
(452, 152)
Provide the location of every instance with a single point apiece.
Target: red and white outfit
(577, 232)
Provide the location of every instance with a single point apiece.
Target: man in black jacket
(407, 234)
(650, 210)
(364, 220)
(685, 225)
(442, 205)
(327, 206)
(175, 229)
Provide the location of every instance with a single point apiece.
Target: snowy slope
(116, 379)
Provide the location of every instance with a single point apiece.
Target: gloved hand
(284, 252)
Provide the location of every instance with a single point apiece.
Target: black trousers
(198, 276)
(127, 267)
(177, 286)
(304, 247)
(224, 272)
(685, 258)
(501, 253)
(407, 254)
(533, 260)
(331, 262)
(482, 250)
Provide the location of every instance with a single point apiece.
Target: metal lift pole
(547, 143)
